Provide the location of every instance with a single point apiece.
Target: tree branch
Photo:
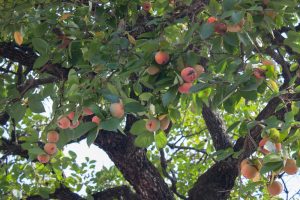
(216, 128)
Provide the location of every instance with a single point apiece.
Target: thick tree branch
(64, 193)
(134, 165)
(216, 128)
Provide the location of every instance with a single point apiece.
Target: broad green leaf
(138, 127)
(92, 135)
(144, 140)
(40, 45)
(41, 61)
(111, 124)
(134, 107)
(160, 139)
(206, 30)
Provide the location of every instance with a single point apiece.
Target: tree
(177, 93)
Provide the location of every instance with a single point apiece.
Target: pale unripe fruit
(275, 188)
(248, 171)
(152, 125)
(185, 88)
(117, 110)
(234, 28)
(72, 126)
(96, 120)
(199, 70)
(50, 148)
(256, 177)
(161, 57)
(188, 74)
(43, 158)
(290, 167)
(52, 136)
(152, 70)
(164, 123)
(63, 122)
(87, 111)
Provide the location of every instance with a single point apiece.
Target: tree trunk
(134, 165)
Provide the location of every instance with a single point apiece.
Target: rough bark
(134, 165)
(216, 182)
(216, 128)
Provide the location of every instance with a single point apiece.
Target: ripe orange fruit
(63, 122)
(185, 88)
(249, 171)
(211, 20)
(43, 158)
(50, 148)
(290, 167)
(275, 188)
(152, 125)
(161, 57)
(96, 120)
(188, 74)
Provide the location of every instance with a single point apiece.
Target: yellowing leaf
(273, 85)
(131, 39)
(65, 16)
(18, 37)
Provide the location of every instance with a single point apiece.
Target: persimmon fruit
(161, 57)
(188, 74)
(275, 188)
(50, 148)
(117, 110)
(52, 136)
(152, 124)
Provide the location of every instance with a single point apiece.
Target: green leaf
(160, 139)
(273, 166)
(271, 158)
(222, 154)
(35, 151)
(233, 126)
(206, 30)
(40, 61)
(35, 103)
(16, 111)
(236, 17)
(144, 140)
(198, 87)
(92, 135)
(82, 129)
(134, 107)
(111, 124)
(169, 96)
(231, 39)
(138, 127)
(40, 45)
